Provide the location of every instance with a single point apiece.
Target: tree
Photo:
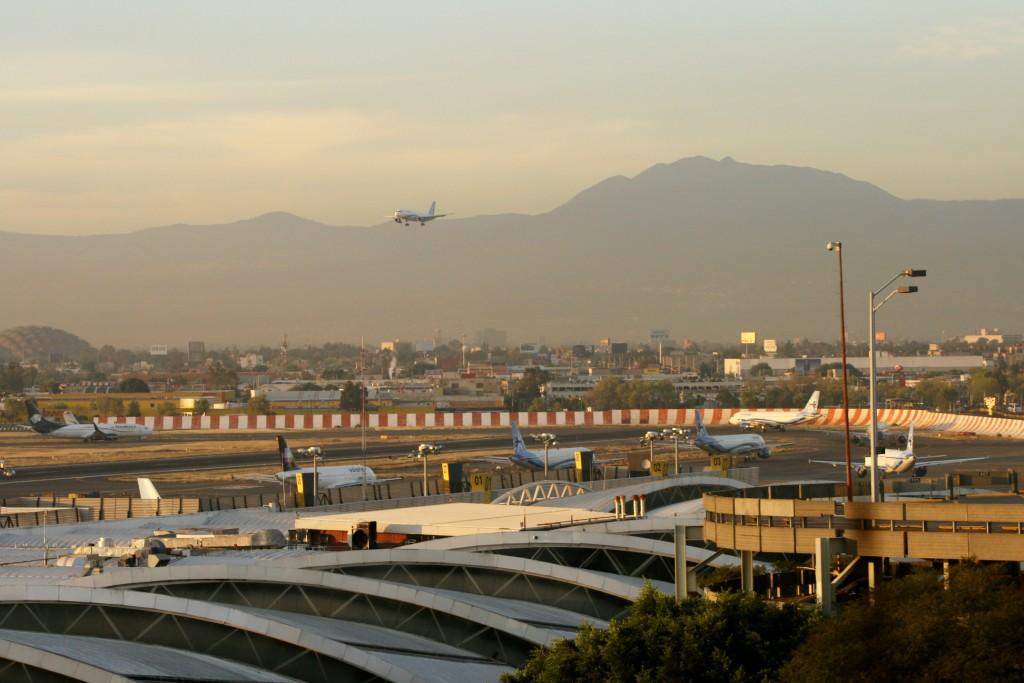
(761, 370)
(13, 410)
(221, 377)
(258, 405)
(970, 632)
(108, 406)
(351, 397)
(167, 408)
(736, 638)
(133, 385)
(12, 378)
(982, 385)
(201, 407)
(526, 389)
(134, 409)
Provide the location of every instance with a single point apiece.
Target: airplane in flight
(776, 419)
(92, 431)
(329, 477)
(899, 460)
(729, 443)
(406, 215)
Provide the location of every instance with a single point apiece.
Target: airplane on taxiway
(729, 443)
(332, 476)
(91, 431)
(776, 419)
(899, 460)
(407, 215)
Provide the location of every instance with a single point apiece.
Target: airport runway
(788, 463)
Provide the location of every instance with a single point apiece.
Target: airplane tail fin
(37, 420)
(812, 404)
(147, 491)
(433, 206)
(701, 429)
(518, 445)
(910, 439)
(287, 459)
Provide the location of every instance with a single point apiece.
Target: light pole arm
(893, 279)
(875, 307)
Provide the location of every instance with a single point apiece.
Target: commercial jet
(776, 419)
(329, 477)
(406, 215)
(92, 431)
(899, 460)
(729, 443)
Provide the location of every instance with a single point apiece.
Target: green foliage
(201, 407)
(13, 410)
(761, 370)
(918, 631)
(12, 378)
(108, 406)
(167, 408)
(737, 638)
(221, 377)
(134, 409)
(258, 405)
(526, 390)
(351, 397)
(133, 385)
(614, 392)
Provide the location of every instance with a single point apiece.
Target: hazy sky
(116, 116)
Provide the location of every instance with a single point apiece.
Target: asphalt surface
(788, 462)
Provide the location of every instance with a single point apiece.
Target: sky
(120, 116)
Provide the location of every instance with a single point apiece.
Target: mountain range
(704, 248)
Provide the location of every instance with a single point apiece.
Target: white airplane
(898, 460)
(406, 215)
(886, 438)
(776, 419)
(729, 443)
(558, 458)
(329, 477)
(93, 431)
(147, 490)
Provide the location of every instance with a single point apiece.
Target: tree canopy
(736, 638)
(970, 632)
(133, 385)
(615, 392)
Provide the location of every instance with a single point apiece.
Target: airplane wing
(834, 463)
(264, 478)
(932, 460)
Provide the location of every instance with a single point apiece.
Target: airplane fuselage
(733, 443)
(334, 477)
(107, 431)
(558, 458)
(769, 419)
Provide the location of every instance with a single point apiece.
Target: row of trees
(916, 629)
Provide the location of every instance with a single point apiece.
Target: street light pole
(873, 383)
(838, 246)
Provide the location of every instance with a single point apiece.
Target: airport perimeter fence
(948, 423)
(68, 510)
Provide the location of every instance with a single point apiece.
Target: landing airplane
(93, 431)
(776, 419)
(898, 460)
(729, 443)
(329, 477)
(406, 215)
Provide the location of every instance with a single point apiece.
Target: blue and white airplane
(729, 443)
(406, 215)
(558, 458)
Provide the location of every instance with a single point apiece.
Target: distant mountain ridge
(705, 248)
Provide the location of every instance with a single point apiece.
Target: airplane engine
(862, 471)
(920, 471)
(764, 454)
(859, 439)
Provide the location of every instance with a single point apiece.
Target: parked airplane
(69, 418)
(898, 460)
(558, 458)
(776, 419)
(147, 490)
(729, 443)
(93, 431)
(406, 215)
(886, 438)
(330, 477)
